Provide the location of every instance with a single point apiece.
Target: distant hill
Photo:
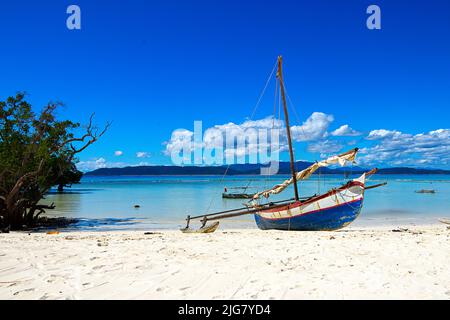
(406, 170)
(245, 169)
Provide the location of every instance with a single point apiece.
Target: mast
(288, 128)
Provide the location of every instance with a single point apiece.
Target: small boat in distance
(332, 210)
(425, 191)
(237, 195)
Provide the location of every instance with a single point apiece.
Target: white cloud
(382, 134)
(91, 164)
(397, 148)
(325, 147)
(142, 154)
(180, 138)
(345, 131)
(142, 163)
(215, 137)
(118, 153)
(314, 128)
(99, 163)
(381, 147)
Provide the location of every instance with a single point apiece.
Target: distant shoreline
(243, 170)
(251, 174)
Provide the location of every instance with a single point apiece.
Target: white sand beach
(354, 263)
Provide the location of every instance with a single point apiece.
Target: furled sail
(342, 159)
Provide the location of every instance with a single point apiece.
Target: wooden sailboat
(332, 210)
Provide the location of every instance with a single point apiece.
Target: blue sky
(154, 67)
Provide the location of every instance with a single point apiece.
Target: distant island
(245, 169)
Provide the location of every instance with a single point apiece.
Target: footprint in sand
(48, 296)
(26, 290)
(98, 267)
(52, 278)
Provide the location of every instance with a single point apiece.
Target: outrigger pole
(240, 211)
(375, 186)
(288, 128)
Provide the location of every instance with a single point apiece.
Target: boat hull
(322, 220)
(330, 211)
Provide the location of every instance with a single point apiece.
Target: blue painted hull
(326, 219)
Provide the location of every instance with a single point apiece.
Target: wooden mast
(288, 128)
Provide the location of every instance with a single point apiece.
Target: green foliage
(37, 151)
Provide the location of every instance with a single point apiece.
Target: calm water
(107, 203)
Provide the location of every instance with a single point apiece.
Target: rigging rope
(251, 118)
(275, 104)
(292, 107)
(263, 91)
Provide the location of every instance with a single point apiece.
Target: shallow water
(106, 203)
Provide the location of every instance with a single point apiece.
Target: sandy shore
(354, 263)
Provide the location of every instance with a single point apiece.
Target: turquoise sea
(106, 203)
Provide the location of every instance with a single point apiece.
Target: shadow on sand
(85, 224)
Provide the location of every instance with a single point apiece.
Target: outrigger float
(332, 210)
